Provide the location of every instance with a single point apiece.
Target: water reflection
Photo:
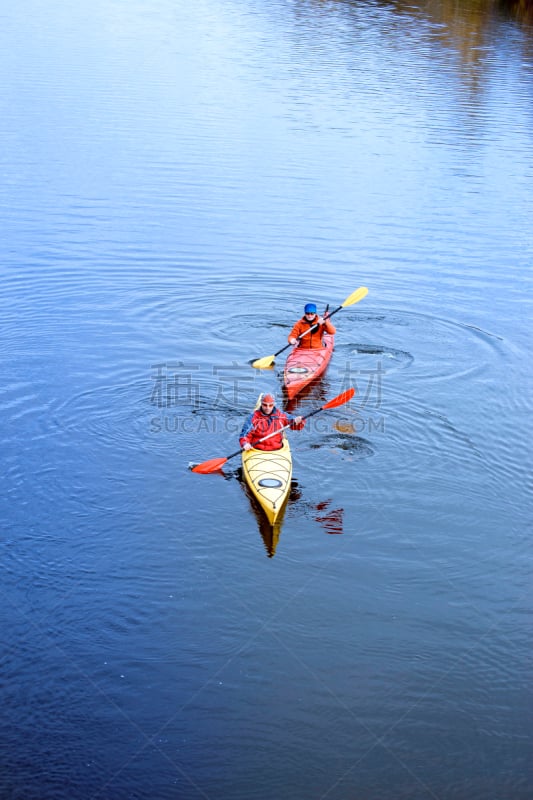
(269, 533)
(464, 19)
(522, 10)
(330, 519)
(315, 394)
(457, 37)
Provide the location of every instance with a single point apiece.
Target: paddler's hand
(298, 420)
(292, 340)
(319, 321)
(247, 446)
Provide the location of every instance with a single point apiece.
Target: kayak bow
(304, 364)
(268, 474)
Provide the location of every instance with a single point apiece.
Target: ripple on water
(394, 359)
(349, 443)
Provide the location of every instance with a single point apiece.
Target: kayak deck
(268, 474)
(303, 365)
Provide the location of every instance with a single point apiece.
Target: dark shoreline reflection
(472, 13)
(462, 33)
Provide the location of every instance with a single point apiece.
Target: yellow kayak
(268, 474)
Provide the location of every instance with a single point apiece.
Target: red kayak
(304, 364)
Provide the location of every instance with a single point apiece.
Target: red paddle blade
(212, 465)
(343, 397)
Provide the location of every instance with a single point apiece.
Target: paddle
(215, 464)
(268, 361)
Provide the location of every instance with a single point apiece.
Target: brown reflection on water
(522, 10)
(466, 29)
(466, 17)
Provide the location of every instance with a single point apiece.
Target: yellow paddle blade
(268, 361)
(355, 296)
(263, 363)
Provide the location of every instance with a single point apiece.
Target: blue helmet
(310, 309)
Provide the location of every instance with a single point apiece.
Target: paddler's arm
(328, 326)
(246, 433)
(296, 423)
(296, 331)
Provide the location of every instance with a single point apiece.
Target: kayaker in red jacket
(267, 419)
(311, 320)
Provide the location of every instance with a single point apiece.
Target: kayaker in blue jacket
(264, 420)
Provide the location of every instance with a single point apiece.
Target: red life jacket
(258, 425)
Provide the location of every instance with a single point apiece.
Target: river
(178, 180)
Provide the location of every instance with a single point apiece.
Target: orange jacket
(313, 339)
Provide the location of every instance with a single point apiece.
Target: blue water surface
(177, 181)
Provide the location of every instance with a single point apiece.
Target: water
(177, 181)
